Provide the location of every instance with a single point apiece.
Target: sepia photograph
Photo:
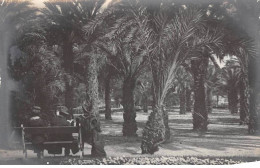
(129, 82)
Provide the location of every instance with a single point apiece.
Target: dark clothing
(59, 121)
(57, 149)
(90, 133)
(37, 139)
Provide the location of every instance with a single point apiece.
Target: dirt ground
(225, 138)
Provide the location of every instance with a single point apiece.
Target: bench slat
(54, 142)
(51, 130)
(59, 142)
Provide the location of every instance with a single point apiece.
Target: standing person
(90, 132)
(36, 120)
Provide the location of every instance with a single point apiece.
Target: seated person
(36, 120)
(60, 120)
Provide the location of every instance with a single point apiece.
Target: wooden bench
(51, 130)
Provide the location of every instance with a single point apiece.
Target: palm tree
(232, 43)
(231, 74)
(247, 13)
(108, 97)
(64, 22)
(200, 115)
(124, 52)
(235, 79)
(188, 96)
(106, 75)
(174, 40)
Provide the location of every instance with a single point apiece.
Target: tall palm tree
(231, 43)
(106, 75)
(174, 40)
(200, 115)
(65, 21)
(231, 74)
(247, 13)
(124, 53)
(235, 79)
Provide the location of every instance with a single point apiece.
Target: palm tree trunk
(92, 86)
(243, 111)
(182, 97)
(154, 132)
(217, 100)
(253, 117)
(108, 99)
(200, 115)
(117, 102)
(166, 124)
(188, 100)
(129, 126)
(69, 69)
(145, 102)
(253, 81)
(233, 100)
(209, 100)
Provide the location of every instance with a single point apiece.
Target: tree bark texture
(182, 97)
(217, 100)
(129, 126)
(233, 100)
(253, 81)
(166, 124)
(108, 99)
(154, 132)
(243, 110)
(69, 69)
(91, 100)
(209, 100)
(188, 100)
(200, 115)
(253, 117)
(145, 102)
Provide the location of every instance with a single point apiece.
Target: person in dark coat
(36, 120)
(60, 120)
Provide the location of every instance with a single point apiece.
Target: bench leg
(67, 151)
(82, 151)
(40, 155)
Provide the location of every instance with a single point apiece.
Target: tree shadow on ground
(224, 132)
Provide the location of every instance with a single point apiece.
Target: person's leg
(39, 150)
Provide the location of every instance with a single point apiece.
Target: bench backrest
(49, 130)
